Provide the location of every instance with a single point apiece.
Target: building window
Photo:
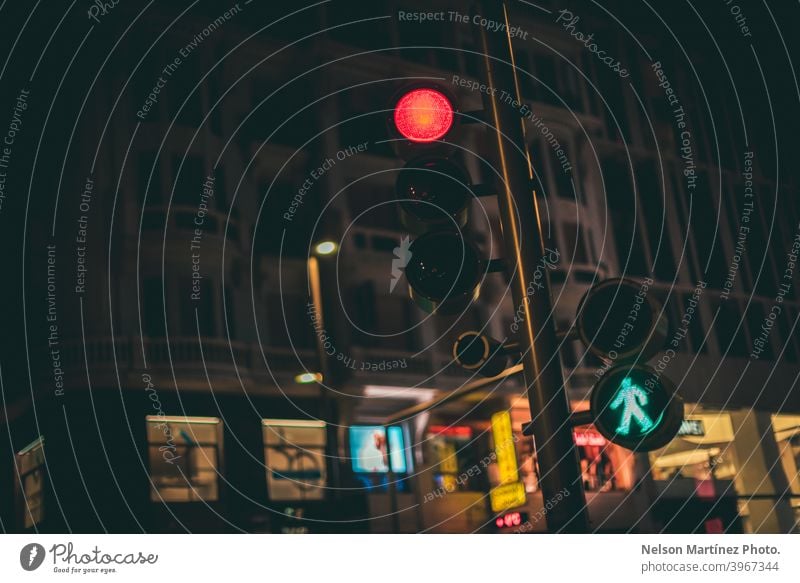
(655, 213)
(622, 205)
(30, 492)
(756, 316)
(574, 244)
(153, 291)
(730, 327)
(294, 456)
(198, 308)
(563, 173)
(184, 455)
(289, 322)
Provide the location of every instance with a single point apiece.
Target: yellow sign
(504, 450)
(448, 460)
(507, 496)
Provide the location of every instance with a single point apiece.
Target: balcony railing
(125, 353)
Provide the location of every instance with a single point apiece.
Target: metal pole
(524, 246)
(326, 406)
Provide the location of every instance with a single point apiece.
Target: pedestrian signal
(635, 407)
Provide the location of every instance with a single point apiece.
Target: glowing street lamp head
(423, 115)
(308, 377)
(326, 248)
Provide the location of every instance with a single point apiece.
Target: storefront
(729, 471)
(605, 466)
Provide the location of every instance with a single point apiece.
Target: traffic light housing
(635, 407)
(632, 405)
(443, 272)
(434, 195)
(619, 323)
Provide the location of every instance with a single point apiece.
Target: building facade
(211, 161)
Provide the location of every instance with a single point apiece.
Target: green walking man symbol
(631, 398)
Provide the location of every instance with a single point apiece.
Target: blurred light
(292, 423)
(308, 377)
(508, 520)
(411, 393)
(589, 438)
(423, 115)
(326, 248)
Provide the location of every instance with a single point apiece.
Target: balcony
(225, 362)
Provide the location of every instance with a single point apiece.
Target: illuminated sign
(294, 454)
(692, 427)
(510, 519)
(507, 496)
(589, 438)
(368, 449)
(636, 408)
(457, 431)
(505, 453)
(511, 492)
(448, 459)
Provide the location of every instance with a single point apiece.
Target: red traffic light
(423, 115)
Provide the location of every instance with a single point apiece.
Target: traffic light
(619, 322)
(434, 193)
(422, 115)
(635, 407)
(632, 405)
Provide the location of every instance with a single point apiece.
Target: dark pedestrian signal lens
(619, 320)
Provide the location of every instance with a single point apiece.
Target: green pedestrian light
(635, 407)
(631, 400)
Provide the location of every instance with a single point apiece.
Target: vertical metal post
(326, 405)
(524, 247)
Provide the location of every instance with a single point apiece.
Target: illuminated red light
(508, 520)
(423, 115)
(450, 430)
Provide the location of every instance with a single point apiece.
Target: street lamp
(308, 378)
(325, 248)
